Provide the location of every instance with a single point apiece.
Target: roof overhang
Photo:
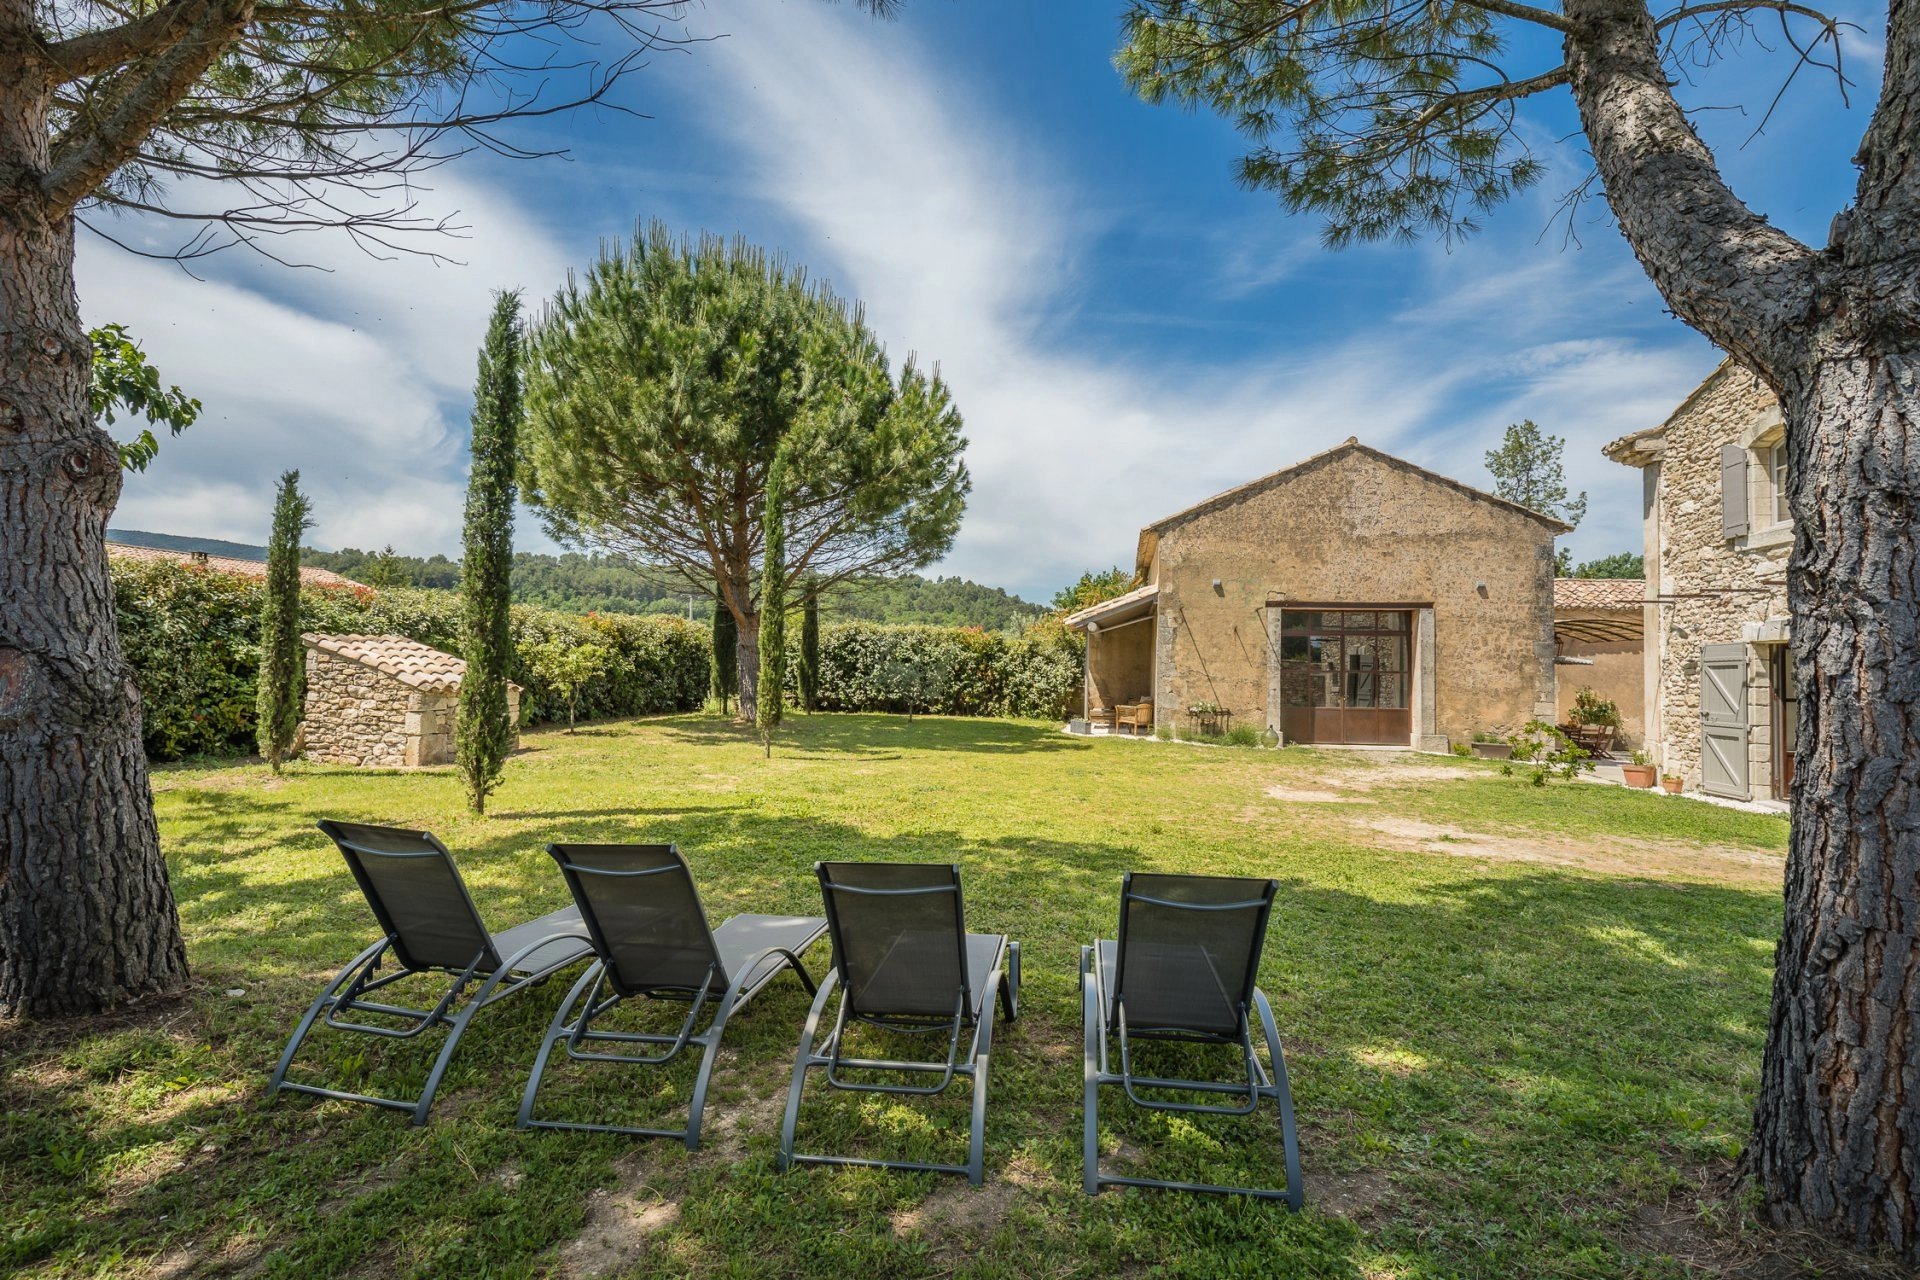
(1600, 626)
(1131, 607)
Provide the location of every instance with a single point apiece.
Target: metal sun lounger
(904, 961)
(1183, 968)
(431, 926)
(651, 939)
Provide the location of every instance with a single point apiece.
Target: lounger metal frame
(586, 996)
(1257, 1086)
(346, 993)
(1003, 986)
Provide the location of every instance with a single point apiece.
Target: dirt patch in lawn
(1304, 795)
(957, 1213)
(618, 1232)
(1357, 1196)
(1705, 1229)
(1609, 855)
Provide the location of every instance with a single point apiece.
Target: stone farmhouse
(1353, 598)
(1721, 706)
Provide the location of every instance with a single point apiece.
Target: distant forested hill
(589, 583)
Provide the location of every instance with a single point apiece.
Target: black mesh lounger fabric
(900, 951)
(1179, 969)
(416, 892)
(650, 928)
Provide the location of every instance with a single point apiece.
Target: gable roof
(1352, 445)
(1642, 448)
(310, 575)
(1134, 601)
(1150, 535)
(416, 665)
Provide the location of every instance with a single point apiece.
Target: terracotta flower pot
(1673, 785)
(1638, 775)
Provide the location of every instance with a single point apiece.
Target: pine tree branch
(1748, 286)
(1881, 233)
(92, 52)
(83, 157)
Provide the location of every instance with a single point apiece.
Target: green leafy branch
(124, 382)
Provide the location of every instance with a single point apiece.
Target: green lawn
(1504, 1064)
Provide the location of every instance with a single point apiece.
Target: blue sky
(1125, 330)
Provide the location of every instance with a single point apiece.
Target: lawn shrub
(948, 670)
(193, 639)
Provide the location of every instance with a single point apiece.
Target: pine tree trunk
(1837, 1125)
(87, 917)
(746, 696)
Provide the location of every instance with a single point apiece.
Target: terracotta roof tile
(309, 574)
(413, 664)
(1599, 593)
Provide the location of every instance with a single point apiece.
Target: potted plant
(1639, 772)
(1672, 782)
(1490, 746)
(1209, 719)
(1595, 720)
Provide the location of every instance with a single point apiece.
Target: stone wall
(354, 714)
(1357, 528)
(1713, 589)
(358, 715)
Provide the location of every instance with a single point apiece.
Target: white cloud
(960, 245)
(358, 375)
(964, 237)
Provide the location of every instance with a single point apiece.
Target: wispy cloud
(359, 376)
(971, 241)
(959, 241)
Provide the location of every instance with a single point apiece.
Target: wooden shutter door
(1733, 491)
(1723, 721)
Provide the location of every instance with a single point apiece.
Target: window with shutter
(1733, 491)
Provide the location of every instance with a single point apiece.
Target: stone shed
(382, 701)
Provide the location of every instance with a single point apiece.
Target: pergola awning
(1131, 607)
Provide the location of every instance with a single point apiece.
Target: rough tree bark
(87, 918)
(747, 697)
(1836, 334)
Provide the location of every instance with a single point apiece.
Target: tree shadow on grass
(866, 734)
(1527, 1054)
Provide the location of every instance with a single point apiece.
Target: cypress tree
(482, 734)
(726, 656)
(810, 647)
(278, 696)
(773, 602)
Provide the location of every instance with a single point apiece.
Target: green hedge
(193, 638)
(949, 670)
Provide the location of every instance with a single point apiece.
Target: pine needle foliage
(278, 695)
(483, 732)
(662, 382)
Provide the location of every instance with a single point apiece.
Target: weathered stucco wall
(1120, 663)
(1617, 672)
(1356, 528)
(1713, 589)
